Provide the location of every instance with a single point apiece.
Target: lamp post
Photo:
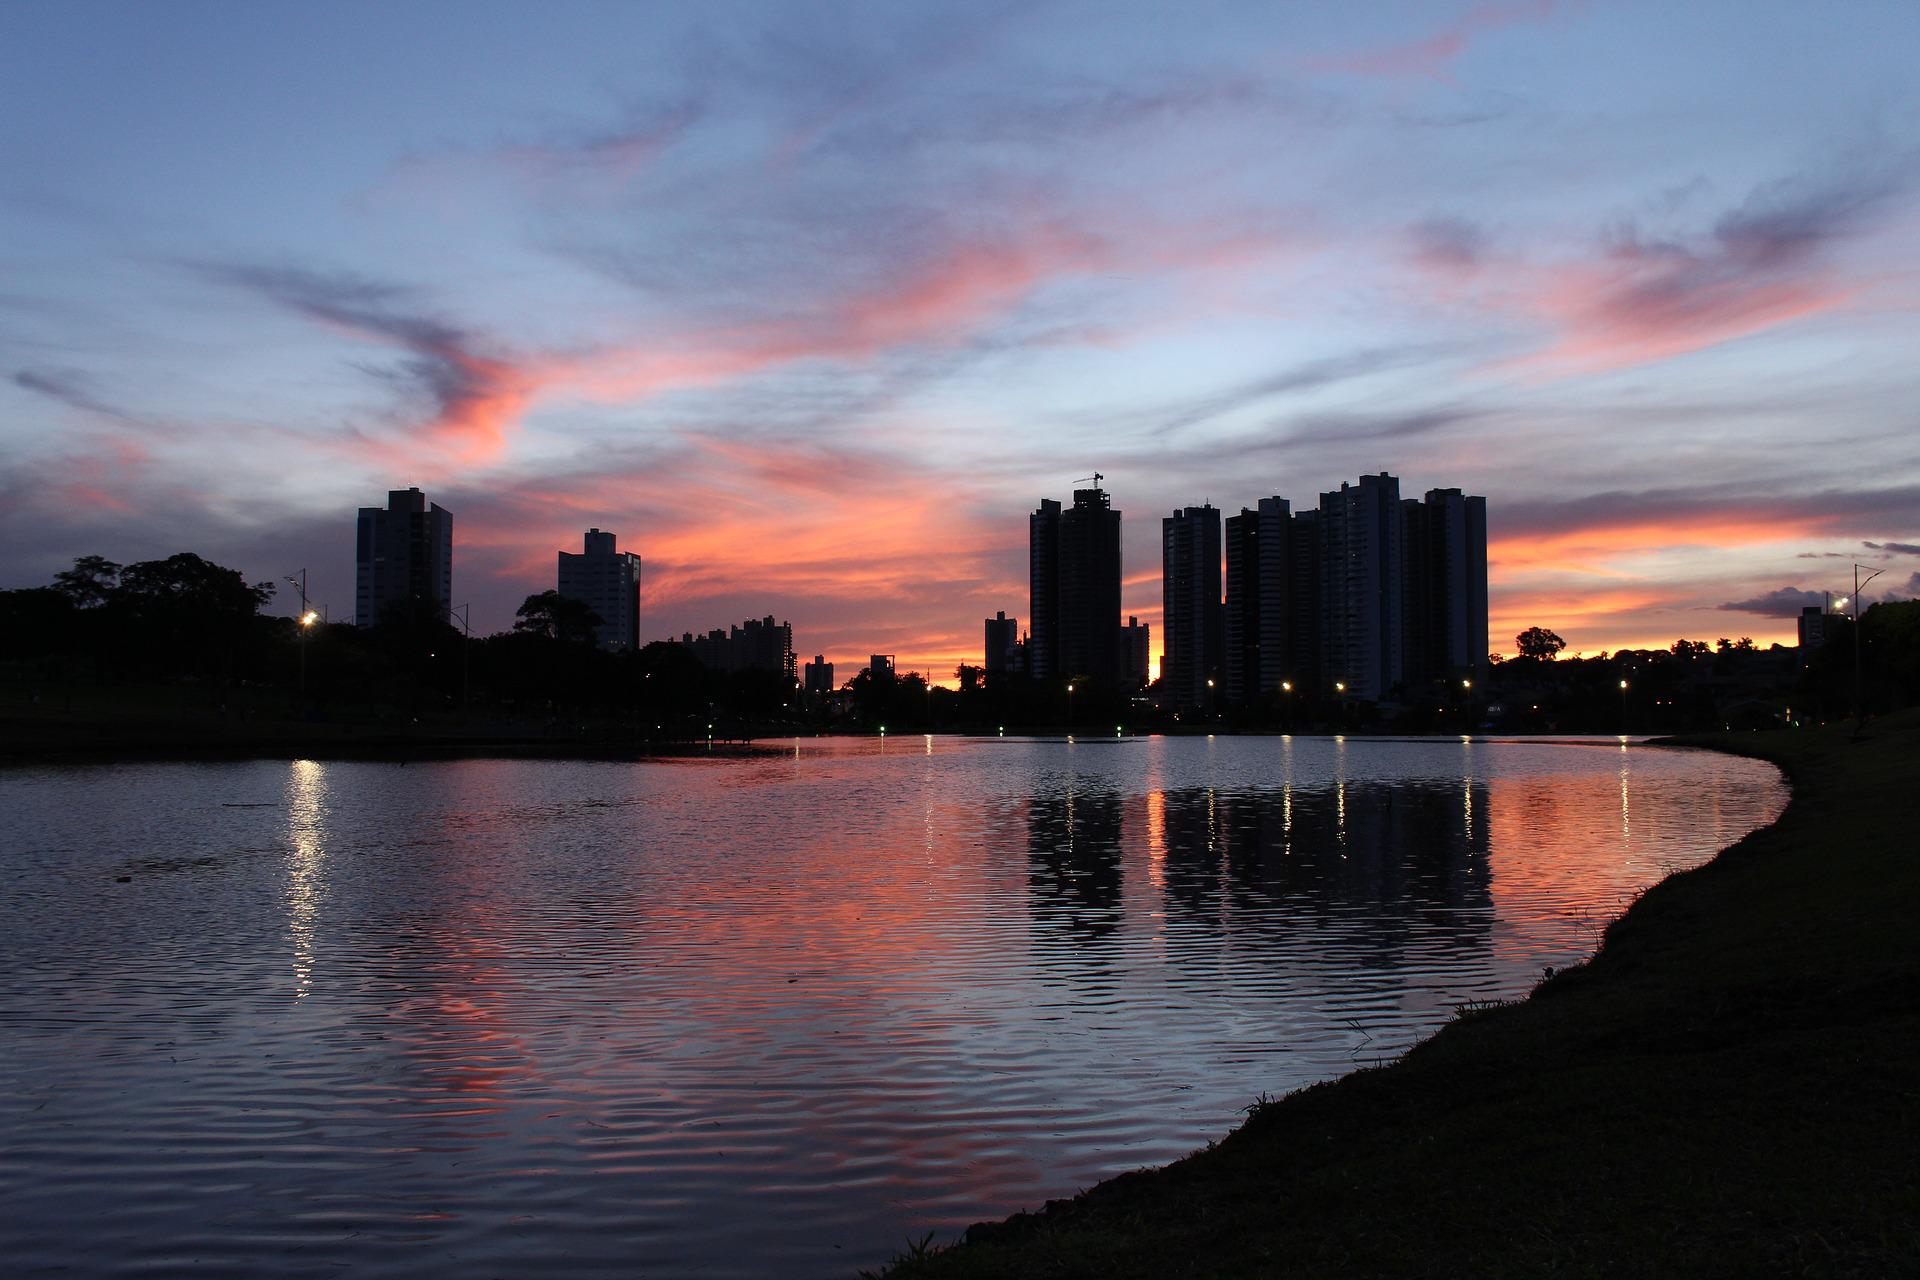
(307, 618)
(1286, 687)
(466, 642)
(1623, 706)
(1466, 687)
(1859, 706)
(1209, 699)
(1340, 688)
(1069, 707)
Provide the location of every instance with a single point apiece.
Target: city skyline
(811, 317)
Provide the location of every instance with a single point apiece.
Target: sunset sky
(811, 303)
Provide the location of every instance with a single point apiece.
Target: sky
(811, 304)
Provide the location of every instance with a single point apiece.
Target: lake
(740, 1017)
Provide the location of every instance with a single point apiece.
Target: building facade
(403, 558)
(1361, 618)
(1074, 589)
(1444, 566)
(759, 643)
(1003, 636)
(1136, 653)
(608, 582)
(1262, 651)
(819, 675)
(1191, 622)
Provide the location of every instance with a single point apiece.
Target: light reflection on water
(739, 1017)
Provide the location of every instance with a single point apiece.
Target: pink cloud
(1637, 309)
(864, 550)
(1434, 55)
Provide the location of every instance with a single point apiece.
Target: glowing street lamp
(1859, 706)
(306, 621)
(1069, 704)
(1623, 706)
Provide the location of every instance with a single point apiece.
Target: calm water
(724, 1017)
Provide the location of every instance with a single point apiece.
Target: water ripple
(730, 1018)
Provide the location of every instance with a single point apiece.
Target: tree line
(195, 627)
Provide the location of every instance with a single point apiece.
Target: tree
(969, 677)
(1689, 650)
(187, 584)
(89, 583)
(184, 613)
(1538, 642)
(557, 617)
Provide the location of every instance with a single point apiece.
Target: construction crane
(1096, 477)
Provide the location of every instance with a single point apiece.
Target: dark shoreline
(1727, 1088)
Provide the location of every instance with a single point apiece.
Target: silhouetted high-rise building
(1190, 623)
(1307, 667)
(760, 643)
(608, 582)
(1136, 652)
(1003, 635)
(1074, 588)
(403, 557)
(1361, 619)
(1043, 590)
(1261, 651)
(1444, 575)
(819, 675)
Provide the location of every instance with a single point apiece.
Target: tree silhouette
(1538, 642)
(557, 617)
(89, 583)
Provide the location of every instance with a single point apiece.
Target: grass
(1729, 1088)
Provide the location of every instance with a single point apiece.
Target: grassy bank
(1728, 1089)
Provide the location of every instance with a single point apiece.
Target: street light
(1069, 705)
(1286, 687)
(1467, 686)
(1209, 697)
(465, 612)
(1859, 706)
(307, 617)
(1623, 706)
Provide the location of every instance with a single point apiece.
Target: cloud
(860, 546)
(1449, 244)
(1893, 548)
(1433, 56)
(1786, 602)
(473, 399)
(1646, 296)
(575, 165)
(1595, 527)
(1174, 416)
(71, 389)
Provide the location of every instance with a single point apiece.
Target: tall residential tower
(1361, 620)
(1190, 622)
(403, 558)
(608, 582)
(1074, 589)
